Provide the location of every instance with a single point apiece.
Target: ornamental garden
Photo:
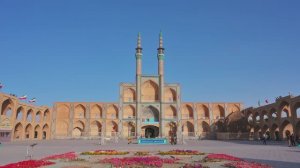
(125, 159)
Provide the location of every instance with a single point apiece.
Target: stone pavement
(276, 154)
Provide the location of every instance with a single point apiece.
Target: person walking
(293, 143)
(264, 138)
(289, 137)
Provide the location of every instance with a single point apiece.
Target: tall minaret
(160, 57)
(138, 57)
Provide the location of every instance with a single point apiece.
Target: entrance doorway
(151, 131)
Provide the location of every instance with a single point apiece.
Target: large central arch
(149, 91)
(150, 115)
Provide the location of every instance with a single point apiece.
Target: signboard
(152, 141)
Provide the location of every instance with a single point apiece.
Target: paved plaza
(276, 154)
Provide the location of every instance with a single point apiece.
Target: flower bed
(65, 156)
(141, 153)
(220, 157)
(152, 161)
(104, 152)
(244, 164)
(181, 152)
(28, 164)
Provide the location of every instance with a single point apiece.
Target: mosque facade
(149, 108)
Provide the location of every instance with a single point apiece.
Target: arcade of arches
(278, 119)
(149, 107)
(21, 121)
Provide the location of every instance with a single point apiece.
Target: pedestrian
(289, 137)
(293, 140)
(264, 138)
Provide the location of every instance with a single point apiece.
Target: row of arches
(149, 93)
(187, 111)
(31, 132)
(80, 112)
(96, 128)
(21, 114)
(275, 131)
(275, 113)
(203, 112)
(79, 128)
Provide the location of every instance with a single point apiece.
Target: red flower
(68, 156)
(222, 157)
(28, 164)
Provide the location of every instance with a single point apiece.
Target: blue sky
(241, 51)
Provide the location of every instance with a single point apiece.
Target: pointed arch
(46, 132)
(78, 128)
(96, 111)
(37, 132)
(256, 117)
(38, 117)
(188, 128)
(286, 129)
(273, 114)
(205, 127)
(18, 131)
(129, 111)
(284, 110)
(149, 91)
(29, 131)
(170, 95)
(29, 115)
(7, 107)
(112, 112)
(202, 111)
(129, 95)
(46, 117)
(170, 112)
(79, 111)
(20, 113)
(264, 116)
(96, 128)
(111, 128)
(187, 112)
(218, 111)
(150, 114)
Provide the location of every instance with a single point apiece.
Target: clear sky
(61, 50)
